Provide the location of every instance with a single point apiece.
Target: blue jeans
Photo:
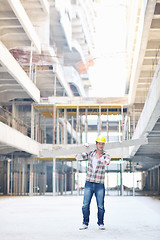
(99, 190)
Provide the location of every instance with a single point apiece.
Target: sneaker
(83, 227)
(101, 227)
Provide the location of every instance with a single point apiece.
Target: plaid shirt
(99, 174)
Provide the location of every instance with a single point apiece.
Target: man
(97, 160)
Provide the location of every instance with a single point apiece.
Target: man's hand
(86, 145)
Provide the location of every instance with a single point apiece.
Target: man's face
(100, 146)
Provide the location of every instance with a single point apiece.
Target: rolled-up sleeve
(83, 156)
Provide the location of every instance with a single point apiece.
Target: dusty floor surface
(48, 217)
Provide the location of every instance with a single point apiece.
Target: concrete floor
(47, 217)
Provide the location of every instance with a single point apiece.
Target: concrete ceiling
(148, 155)
(149, 56)
(146, 54)
(9, 87)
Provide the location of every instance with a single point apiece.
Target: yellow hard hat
(101, 139)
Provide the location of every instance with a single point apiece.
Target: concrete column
(19, 176)
(14, 115)
(62, 133)
(11, 175)
(72, 127)
(126, 131)
(65, 182)
(44, 179)
(158, 179)
(62, 178)
(8, 176)
(23, 178)
(121, 177)
(122, 122)
(30, 63)
(81, 129)
(37, 178)
(150, 180)
(77, 178)
(107, 127)
(32, 121)
(144, 179)
(117, 181)
(45, 134)
(57, 182)
(77, 125)
(15, 177)
(155, 176)
(99, 121)
(72, 178)
(31, 178)
(107, 181)
(58, 141)
(55, 85)
(134, 120)
(54, 176)
(36, 127)
(35, 75)
(65, 126)
(129, 127)
(133, 180)
(54, 123)
(153, 182)
(119, 130)
(86, 125)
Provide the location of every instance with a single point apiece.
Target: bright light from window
(108, 75)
